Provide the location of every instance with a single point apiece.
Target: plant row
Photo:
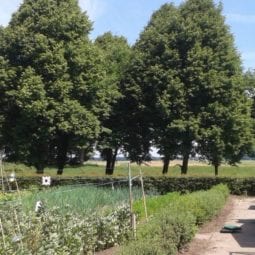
(175, 221)
(52, 232)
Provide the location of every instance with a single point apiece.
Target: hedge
(161, 185)
(173, 227)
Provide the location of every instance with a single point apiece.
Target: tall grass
(83, 199)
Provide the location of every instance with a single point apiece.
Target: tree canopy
(57, 92)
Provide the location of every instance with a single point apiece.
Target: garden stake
(131, 199)
(144, 198)
(2, 231)
(1, 168)
(18, 226)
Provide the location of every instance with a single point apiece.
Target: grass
(96, 169)
(83, 199)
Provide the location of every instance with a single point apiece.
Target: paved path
(242, 214)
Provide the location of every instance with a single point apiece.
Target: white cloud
(241, 18)
(94, 8)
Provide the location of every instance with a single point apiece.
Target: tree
(186, 70)
(57, 93)
(212, 76)
(162, 87)
(136, 122)
(117, 54)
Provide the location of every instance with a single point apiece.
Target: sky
(129, 17)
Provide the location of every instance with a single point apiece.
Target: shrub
(175, 222)
(55, 233)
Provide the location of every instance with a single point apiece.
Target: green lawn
(91, 169)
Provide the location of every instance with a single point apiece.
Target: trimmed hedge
(161, 185)
(173, 227)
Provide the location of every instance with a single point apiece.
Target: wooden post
(132, 215)
(2, 231)
(130, 191)
(1, 169)
(144, 198)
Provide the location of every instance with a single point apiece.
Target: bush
(175, 223)
(54, 233)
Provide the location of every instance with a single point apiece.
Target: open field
(96, 168)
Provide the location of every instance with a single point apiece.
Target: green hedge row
(172, 227)
(161, 185)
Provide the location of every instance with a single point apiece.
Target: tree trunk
(216, 170)
(39, 169)
(110, 160)
(40, 155)
(62, 153)
(81, 156)
(166, 162)
(185, 162)
(114, 158)
(108, 156)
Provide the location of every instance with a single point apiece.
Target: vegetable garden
(83, 219)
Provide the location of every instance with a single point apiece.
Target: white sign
(46, 180)
(12, 177)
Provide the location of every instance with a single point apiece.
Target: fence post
(144, 198)
(132, 215)
(1, 169)
(2, 231)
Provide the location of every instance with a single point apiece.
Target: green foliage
(83, 199)
(117, 54)
(185, 85)
(154, 204)
(69, 233)
(175, 223)
(56, 93)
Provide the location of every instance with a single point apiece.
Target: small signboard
(46, 180)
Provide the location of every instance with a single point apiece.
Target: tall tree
(211, 72)
(117, 54)
(187, 70)
(161, 86)
(57, 94)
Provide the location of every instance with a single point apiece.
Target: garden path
(240, 211)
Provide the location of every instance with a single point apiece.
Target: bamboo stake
(19, 229)
(144, 197)
(130, 190)
(2, 231)
(1, 169)
(132, 215)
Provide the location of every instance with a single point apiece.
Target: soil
(110, 251)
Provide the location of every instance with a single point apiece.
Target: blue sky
(128, 18)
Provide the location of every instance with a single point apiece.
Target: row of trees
(180, 88)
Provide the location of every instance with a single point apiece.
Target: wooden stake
(2, 231)
(1, 169)
(144, 198)
(130, 190)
